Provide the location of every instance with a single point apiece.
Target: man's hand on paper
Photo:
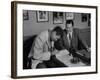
(57, 52)
(54, 52)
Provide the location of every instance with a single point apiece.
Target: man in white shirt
(42, 48)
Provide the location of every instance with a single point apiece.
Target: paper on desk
(62, 53)
(64, 57)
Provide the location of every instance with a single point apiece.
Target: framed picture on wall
(69, 16)
(25, 15)
(57, 17)
(71, 62)
(42, 16)
(84, 17)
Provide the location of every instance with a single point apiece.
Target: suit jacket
(77, 41)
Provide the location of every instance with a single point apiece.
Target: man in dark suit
(72, 39)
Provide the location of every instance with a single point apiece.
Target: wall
(78, 22)
(32, 27)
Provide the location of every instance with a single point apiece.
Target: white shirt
(40, 49)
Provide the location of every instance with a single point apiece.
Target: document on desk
(64, 57)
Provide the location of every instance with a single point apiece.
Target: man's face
(54, 36)
(69, 27)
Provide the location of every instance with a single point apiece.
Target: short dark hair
(59, 30)
(70, 22)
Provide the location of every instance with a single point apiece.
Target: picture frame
(57, 17)
(25, 15)
(84, 17)
(42, 16)
(17, 34)
(69, 16)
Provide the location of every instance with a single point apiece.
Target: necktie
(69, 38)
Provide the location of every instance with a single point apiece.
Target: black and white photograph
(57, 17)
(67, 46)
(25, 15)
(42, 16)
(50, 48)
(84, 17)
(69, 15)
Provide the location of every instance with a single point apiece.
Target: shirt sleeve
(38, 50)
